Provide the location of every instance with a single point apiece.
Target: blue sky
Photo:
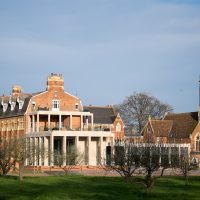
(106, 49)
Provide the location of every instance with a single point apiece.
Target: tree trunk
(21, 171)
(186, 178)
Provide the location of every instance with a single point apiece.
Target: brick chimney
(55, 81)
(16, 90)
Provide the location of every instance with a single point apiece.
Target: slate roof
(16, 111)
(102, 115)
(183, 124)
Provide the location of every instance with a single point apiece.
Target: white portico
(55, 131)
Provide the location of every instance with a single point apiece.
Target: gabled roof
(183, 123)
(161, 128)
(102, 114)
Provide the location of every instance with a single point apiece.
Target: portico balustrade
(63, 121)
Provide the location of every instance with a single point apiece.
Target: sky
(105, 49)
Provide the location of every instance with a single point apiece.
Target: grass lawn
(100, 188)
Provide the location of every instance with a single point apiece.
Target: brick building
(56, 119)
(181, 128)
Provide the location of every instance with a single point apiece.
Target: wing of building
(181, 128)
(57, 119)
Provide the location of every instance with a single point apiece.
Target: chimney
(55, 81)
(16, 90)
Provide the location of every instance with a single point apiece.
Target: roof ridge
(181, 113)
(164, 120)
(99, 106)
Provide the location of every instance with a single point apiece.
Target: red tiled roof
(183, 123)
(161, 128)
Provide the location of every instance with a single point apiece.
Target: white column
(39, 151)
(45, 151)
(81, 122)
(59, 121)
(64, 148)
(51, 150)
(70, 121)
(92, 122)
(101, 156)
(49, 122)
(87, 122)
(29, 124)
(34, 139)
(38, 123)
(33, 123)
(76, 141)
(28, 149)
(88, 149)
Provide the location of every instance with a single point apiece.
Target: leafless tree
(150, 159)
(26, 151)
(15, 151)
(124, 160)
(6, 155)
(136, 109)
(185, 165)
(68, 160)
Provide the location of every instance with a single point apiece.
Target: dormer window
(55, 105)
(5, 105)
(21, 103)
(13, 106)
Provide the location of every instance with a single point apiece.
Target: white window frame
(55, 105)
(21, 103)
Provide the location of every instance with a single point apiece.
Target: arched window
(198, 142)
(118, 127)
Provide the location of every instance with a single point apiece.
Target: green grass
(100, 188)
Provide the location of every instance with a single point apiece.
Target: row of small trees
(16, 151)
(129, 161)
(148, 160)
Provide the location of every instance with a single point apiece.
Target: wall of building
(119, 134)
(12, 126)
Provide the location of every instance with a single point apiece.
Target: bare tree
(6, 154)
(150, 161)
(136, 109)
(185, 165)
(15, 151)
(130, 159)
(26, 151)
(68, 160)
(124, 160)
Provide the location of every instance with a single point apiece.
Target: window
(76, 106)
(118, 127)
(21, 103)
(12, 106)
(198, 142)
(55, 105)
(5, 107)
